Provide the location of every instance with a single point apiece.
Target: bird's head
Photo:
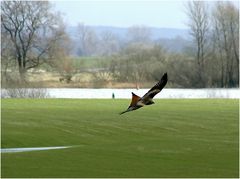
(130, 108)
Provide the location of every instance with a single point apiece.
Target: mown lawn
(172, 138)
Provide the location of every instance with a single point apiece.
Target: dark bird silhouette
(147, 99)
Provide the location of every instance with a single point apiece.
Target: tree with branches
(226, 39)
(33, 32)
(199, 27)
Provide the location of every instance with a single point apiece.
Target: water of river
(126, 93)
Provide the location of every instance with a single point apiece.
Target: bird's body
(147, 99)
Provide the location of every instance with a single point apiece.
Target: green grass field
(90, 62)
(172, 138)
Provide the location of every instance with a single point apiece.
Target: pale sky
(123, 13)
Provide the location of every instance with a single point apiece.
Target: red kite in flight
(147, 99)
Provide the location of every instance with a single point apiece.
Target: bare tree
(87, 40)
(32, 30)
(199, 26)
(109, 43)
(139, 34)
(226, 38)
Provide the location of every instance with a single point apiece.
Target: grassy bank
(172, 138)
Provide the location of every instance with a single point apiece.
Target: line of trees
(88, 43)
(212, 60)
(33, 34)
(216, 40)
(226, 42)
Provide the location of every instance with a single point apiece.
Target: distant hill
(172, 39)
(156, 33)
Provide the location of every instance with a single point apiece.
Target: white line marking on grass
(13, 150)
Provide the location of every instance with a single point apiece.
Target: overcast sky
(124, 13)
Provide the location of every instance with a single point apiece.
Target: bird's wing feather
(157, 88)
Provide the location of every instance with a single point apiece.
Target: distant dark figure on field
(113, 96)
(147, 99)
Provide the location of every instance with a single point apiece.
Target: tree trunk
(22, 73)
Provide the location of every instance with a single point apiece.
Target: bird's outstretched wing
(156, 89)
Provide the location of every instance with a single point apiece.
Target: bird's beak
(123, 112)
